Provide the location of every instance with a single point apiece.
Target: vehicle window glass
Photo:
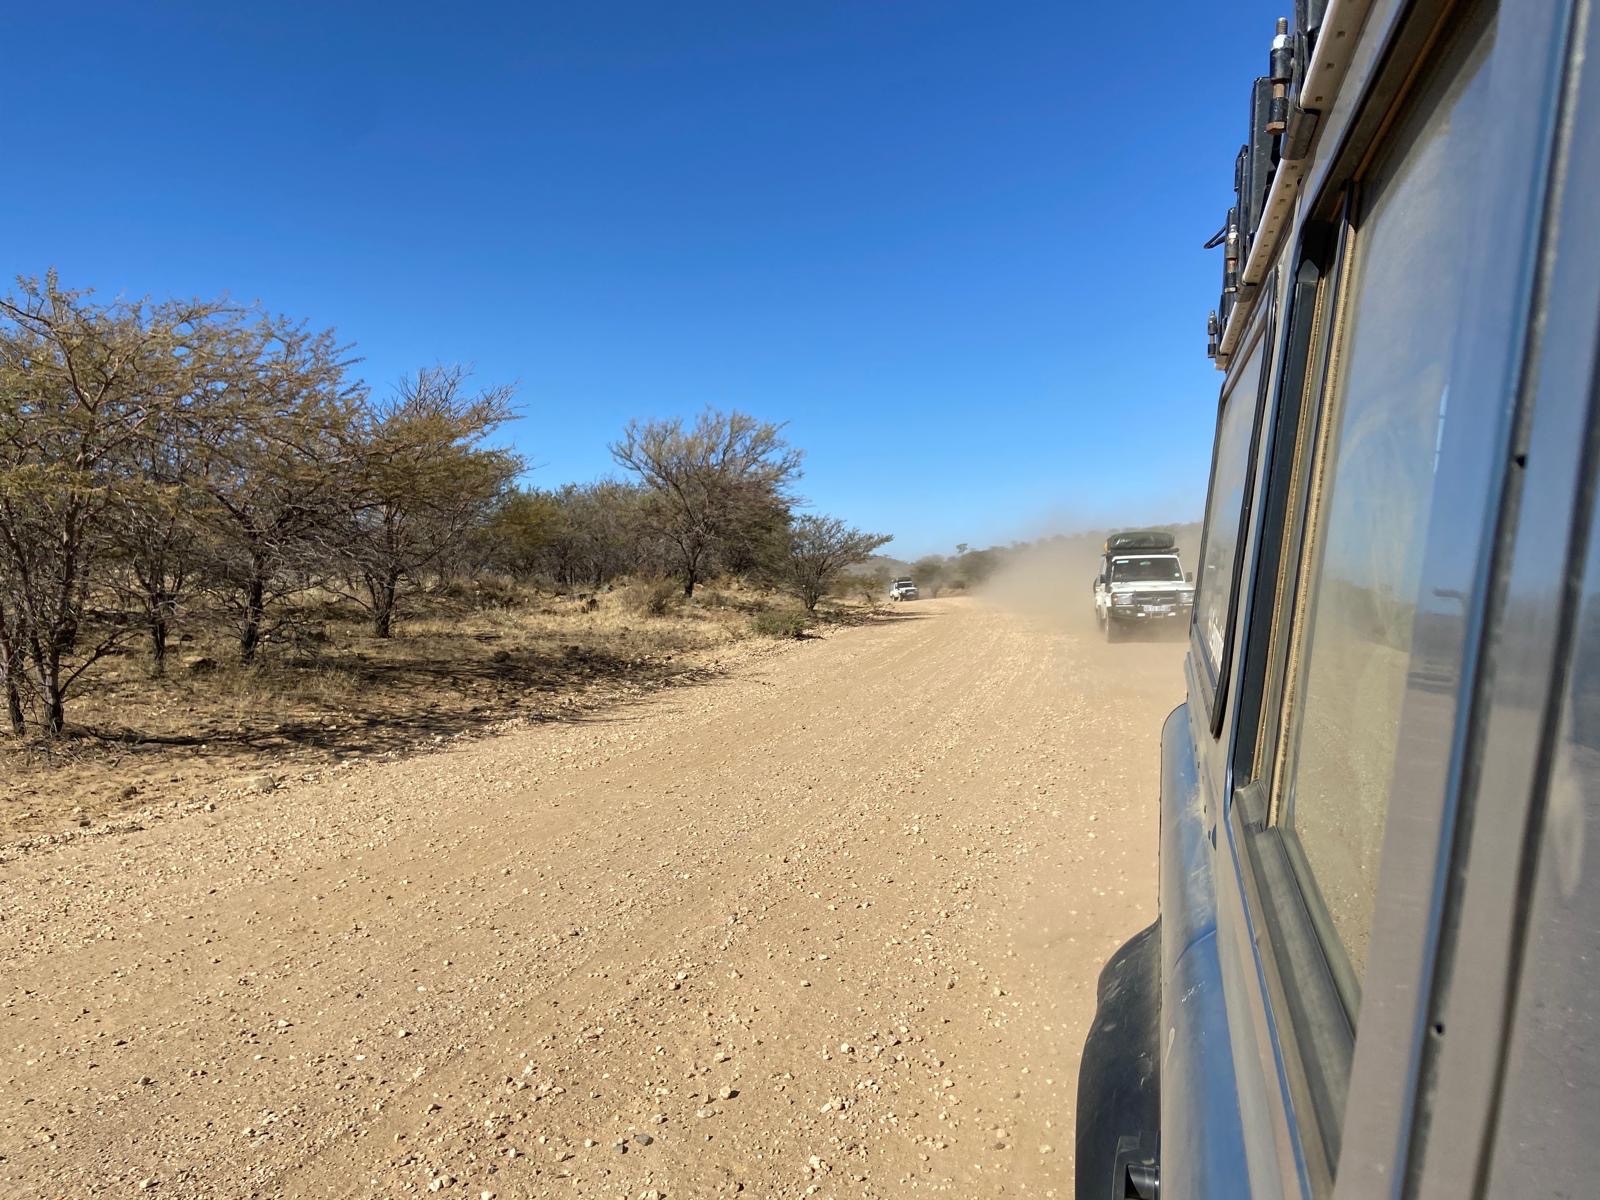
(1391, 398)
(1550, 1111)
(1144, 570)
(1225, 508)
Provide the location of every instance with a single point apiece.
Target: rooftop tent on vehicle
(1136, 540)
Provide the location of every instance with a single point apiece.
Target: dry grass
(465, 664)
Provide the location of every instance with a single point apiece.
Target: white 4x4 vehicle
(1141, 583)
(902, 589)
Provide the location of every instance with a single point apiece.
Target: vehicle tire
(1113, 630)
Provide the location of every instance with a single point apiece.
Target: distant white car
(902, 589)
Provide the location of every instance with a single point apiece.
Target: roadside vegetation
(217, 542)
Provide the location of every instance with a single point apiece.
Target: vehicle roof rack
(1136, 540)
(1305, 66)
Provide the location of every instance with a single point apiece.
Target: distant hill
(883, 562)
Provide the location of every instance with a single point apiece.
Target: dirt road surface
(829, 927)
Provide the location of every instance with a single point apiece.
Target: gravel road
(828, 927)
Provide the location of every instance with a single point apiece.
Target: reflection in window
(1548, 1141)
(1386, 425)
(1225, 509)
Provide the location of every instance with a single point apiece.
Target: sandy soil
(828, 927)
(137, 746)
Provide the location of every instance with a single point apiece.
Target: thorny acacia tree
(421, 480)
(579, 535)
(84, 389)
(575, 536)
(599, 534)
(516, 536)
(815, 551)
(155, 551)
(275, 466)
(717, 486)
(157, 556)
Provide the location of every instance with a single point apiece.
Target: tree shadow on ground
(853, 617)
(408, 702)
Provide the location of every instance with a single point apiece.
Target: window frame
(1290, 654)
(1297, 404)
(1299, 990)
(1212, 677)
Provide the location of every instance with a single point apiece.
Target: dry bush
(733, 595)
(868, 587)
(483, 592)
(651, 597)
(781, 623)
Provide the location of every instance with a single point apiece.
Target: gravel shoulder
(829, 926)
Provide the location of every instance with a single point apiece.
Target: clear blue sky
(955, 245)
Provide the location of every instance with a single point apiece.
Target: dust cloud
(1051, 581)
